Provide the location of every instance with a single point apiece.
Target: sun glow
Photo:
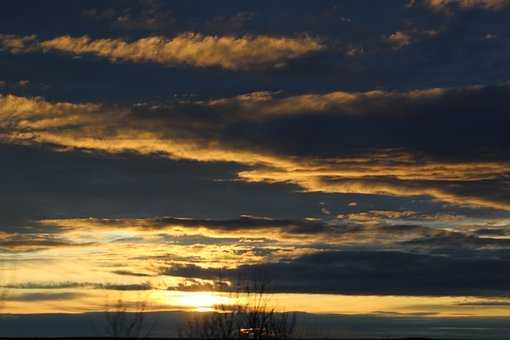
(203, 301)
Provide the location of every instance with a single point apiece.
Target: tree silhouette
(253, 316)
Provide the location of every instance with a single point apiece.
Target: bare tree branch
(252, 317)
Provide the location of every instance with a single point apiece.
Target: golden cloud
(367, 228)
(377, 182)
(228, 52)
(400, 39)
(266, 105)
(18, 44)
(383, 172)
(446, 5)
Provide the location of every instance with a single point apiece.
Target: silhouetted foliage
(253, 317)
(123, 320)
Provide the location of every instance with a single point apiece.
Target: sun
(203, 301)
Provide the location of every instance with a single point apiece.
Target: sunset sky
(354, 154)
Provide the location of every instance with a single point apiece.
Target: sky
(352, 154)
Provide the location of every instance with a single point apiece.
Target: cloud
(204, 231)
(458, 241)
(446, 192)
(447, 5)
(494, 303)
(30, 297)
(369, 272)
(35, 242)
(69, 284)
(192, 285)
(446, 143)
(12, 106)
(343, 255)
(130, 273)
(18, 44)
(123, 287)
(400, 39)
(263, 236)
(195, 49)
(46, 285)
(491, 232)
(272, 105)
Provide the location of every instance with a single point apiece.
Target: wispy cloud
(194, 49)
(21, 243)
(400, 39)
(45, 296)
(446, 6)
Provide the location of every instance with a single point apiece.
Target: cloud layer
(365, 272)
(413, 143)
(371, 252)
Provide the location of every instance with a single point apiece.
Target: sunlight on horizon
(89, 300)
(203, 301)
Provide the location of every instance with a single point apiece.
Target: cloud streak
(194, 49)
(22, 243)
(448, 5)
